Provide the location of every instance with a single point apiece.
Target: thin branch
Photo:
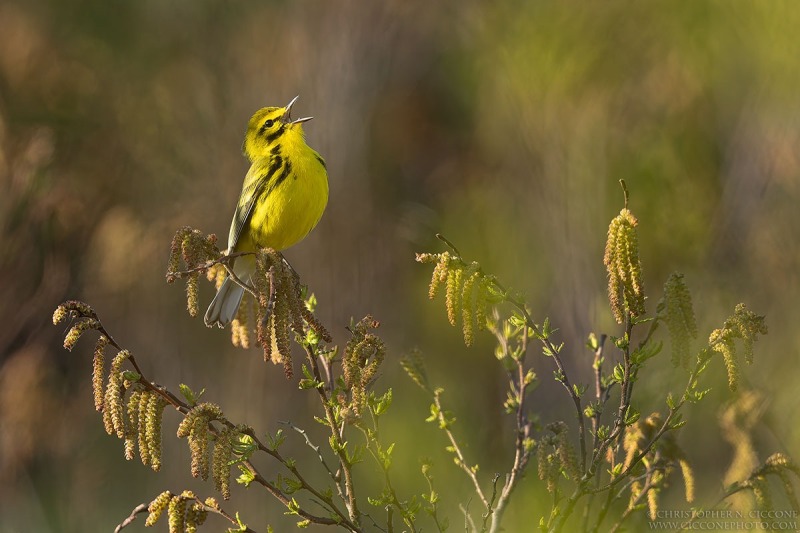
(552, 349)
(318, 451)
(139, 509)
(184, 408)
(521, 455)
(336, 432)
(462, 463)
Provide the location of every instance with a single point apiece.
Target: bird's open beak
(287, 115)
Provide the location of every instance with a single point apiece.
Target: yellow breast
(289, 208)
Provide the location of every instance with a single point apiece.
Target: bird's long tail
(225, 304)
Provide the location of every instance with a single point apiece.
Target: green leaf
(530, 377)
(671, 401)
(434, 413)
(677, 422)
(631, 416)
(592, 343)
(189, 394)
(383, 403)
(619, 373)
(246, 477)
(311, 301)
(643, 353)
(274, 441)
(293, 508)
(517, 320)
(244, 446)
(305, 384)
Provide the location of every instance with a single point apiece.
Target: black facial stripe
(321, 161)
(275, 134)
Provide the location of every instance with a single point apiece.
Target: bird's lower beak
(287, 115)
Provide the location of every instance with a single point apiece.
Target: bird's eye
(269, 123)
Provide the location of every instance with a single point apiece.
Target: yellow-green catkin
(362, 357)
(482, 303)
(439, 275)
(144, 445)
(73, 309)
(191, 294)
(652, 501)
(113, 409)
(195, 426)
(472, 277)
(636, 491)
(744, 325)
(282, 339)
(98, 364)
(155, 411)
(240, 327)
(564, 449)
(679, 316)
(220, 466)
(722, 343)
(688, 479)
(133, 424)
(198, 445)
(455, 279)
(624, 267)
(177, 514)
(75, 332)
(195, 516)
(217, 274)
(157, 508)
(762, 493)
(549, 468)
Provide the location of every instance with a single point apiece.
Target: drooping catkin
(471, 276)
(744, 325)
(362, 357)
(155, 414)
(113, 408)
(98, 365)
(133, 424)
(679, 316)
(220, 464)
(177, 514)
(195, 516)
(240, 327)
(455, 279)
(79, 328)
(144, 445)
(157, 508)
(195, 427)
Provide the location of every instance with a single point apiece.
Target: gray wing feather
(244, 209)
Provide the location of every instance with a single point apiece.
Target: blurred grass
(503, 125)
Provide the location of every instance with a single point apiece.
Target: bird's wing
(255, 183)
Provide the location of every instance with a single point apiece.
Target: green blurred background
(503, 125)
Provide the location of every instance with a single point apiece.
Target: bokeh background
(503, 125)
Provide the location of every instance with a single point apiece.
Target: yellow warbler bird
(283, 197)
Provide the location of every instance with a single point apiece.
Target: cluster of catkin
(468, 291)
(131, 410)
(185, 511)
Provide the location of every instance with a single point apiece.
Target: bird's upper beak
(287, 115)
